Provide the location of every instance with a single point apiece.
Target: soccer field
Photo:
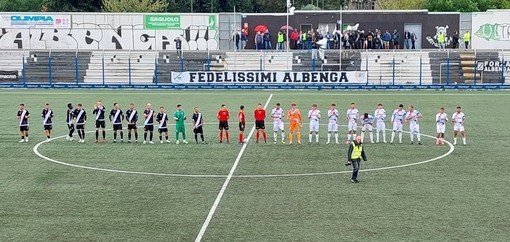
(70, 191)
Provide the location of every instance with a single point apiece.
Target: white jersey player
(352, 116)
(458, 119)
(314, 115)
(333, 122)
(380, 116)
(397, 119)
(441, 119)
(367, 121)
(413, 117)
(278, 114)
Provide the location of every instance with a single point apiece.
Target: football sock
(202, 137)
(136, 135)
(226, 134)
(400, 136)
(166, 137)
(145, 136)
(183, 135)
(176, 135)
(464, 140)
(418, 136)
(371, 137)
(274, 137)
(377, 136)
(329, 137)
(160, 137)
(336, 137)
(22, 137)
(240, 138)
(151, 136)
(115, 135)
(392, 136)
(258, 134)
(221, 135)
(196, 138)
(97, 134)
(310, 137)
(298, 135)
(317, 138)
(104, 134)
(265, 136)
(129, 136)
(384, 135)
(348, 137)
(290, 137)
(283, 136)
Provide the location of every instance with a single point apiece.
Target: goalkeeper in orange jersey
(294, 116)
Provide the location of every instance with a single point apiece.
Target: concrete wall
(491, 30)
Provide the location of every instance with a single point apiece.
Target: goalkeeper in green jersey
(179, 117)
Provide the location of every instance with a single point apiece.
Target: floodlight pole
(340, 40)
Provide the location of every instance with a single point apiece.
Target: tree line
(246, 6)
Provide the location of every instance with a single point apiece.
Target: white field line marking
(36, 151)
(227, 181)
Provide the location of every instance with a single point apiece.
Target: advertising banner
(162, 22)
(271, 77)
(35, 21)
(9, 76)
(491, 30)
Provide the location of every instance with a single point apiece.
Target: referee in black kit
(354, 156)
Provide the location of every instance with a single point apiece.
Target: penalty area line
(225, 184)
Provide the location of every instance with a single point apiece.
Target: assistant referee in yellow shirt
(354, 156)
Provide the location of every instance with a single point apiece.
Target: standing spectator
(407, 39)
(337, 39)
(244, 39)
(328, 40)
(370, 39)
(413, 41)
(377, 41)
(259, 41)
(303, 39)
(237, 39)
(178, 46)
(309, 37)
(294, 36)
(386, 38)
(267, 40)
(441, 40)
(396, 39)
(467, 38)
(455, 40)
(280, 41)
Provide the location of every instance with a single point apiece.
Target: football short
(314, 126)
(48, 127)
(180, 128)
(117, 127)
(223, 125)
(278, 126)
(381, 126)
(294, 126)
(162, 130)
(70, 126)
(100, 124)
(132, 126)
(198, 130)
(397, 126)
(352, 125)
(458, 127)
(333, 126)
(259, 124)
(24, 128)
(440, 128)
(242, 126)
(80, 126)
(414, 128)
(149, 127)
(368, 127)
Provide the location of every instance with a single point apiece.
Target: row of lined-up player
(77, 118)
